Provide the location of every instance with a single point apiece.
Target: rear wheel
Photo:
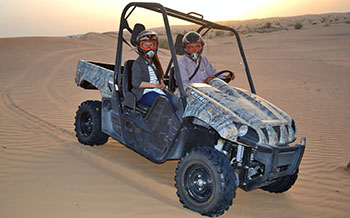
(282, 184)
(88, 124)
(205, 181)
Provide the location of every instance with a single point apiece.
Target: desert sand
(45, 172)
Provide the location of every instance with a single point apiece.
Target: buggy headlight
(242, 130)
(250, 136)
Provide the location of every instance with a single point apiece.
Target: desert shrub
(219, 33)
(298, 26)
(268, 25)
(163, 43)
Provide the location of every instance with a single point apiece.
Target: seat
(130, 100)
(128, 64)
(179, 51)
(138, 27)
(172, 82)
(178, 45)
(129, 97)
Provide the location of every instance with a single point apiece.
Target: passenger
(147, 72)
(194, 67)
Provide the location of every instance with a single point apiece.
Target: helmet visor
(148, 45)
(194, 47)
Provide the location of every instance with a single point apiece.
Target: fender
(210, 111)
(225, 108)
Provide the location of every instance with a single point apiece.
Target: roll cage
(191, 17)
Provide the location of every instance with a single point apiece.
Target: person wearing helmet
(147, 73)
(195, 67)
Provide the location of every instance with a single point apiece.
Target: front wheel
(205, 181)
(88, 124)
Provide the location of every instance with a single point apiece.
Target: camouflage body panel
(223, 107)
(92, 76)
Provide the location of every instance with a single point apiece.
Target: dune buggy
(225, 137)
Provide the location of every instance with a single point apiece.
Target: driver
(194, 67)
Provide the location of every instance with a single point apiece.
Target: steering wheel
(224, 71)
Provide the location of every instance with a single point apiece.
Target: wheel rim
(86, 124)
(198, 183)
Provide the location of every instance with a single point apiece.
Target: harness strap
(196, 70)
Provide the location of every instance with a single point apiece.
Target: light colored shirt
(187, 67)
(153, 79)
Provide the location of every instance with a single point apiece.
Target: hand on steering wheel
(207, 80)
(227, 78)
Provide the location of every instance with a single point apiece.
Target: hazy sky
(66, 17)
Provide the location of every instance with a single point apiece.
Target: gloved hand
(228, 78)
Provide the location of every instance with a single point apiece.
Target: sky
(68, 17)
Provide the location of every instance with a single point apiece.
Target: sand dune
(45, 172)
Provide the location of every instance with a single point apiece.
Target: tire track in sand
(46, 128)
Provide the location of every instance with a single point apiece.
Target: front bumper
(277, 161)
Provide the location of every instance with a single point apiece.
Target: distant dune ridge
(285, 23)
(260, 25)
(46, 172)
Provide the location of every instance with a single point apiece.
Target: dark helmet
(147, 43)
(193, 45)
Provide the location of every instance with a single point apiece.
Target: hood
(225, 109)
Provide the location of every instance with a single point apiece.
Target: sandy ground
(45, 172)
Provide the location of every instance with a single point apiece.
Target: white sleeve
(209, 67)
(183, 71)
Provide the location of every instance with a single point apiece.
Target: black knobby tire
(282, 184)
(88, 124)
(205, 181)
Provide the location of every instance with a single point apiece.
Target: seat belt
(196, 70)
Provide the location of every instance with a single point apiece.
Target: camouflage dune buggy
(224, 137)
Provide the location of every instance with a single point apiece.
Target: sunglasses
(194, 47)
(148, 45)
